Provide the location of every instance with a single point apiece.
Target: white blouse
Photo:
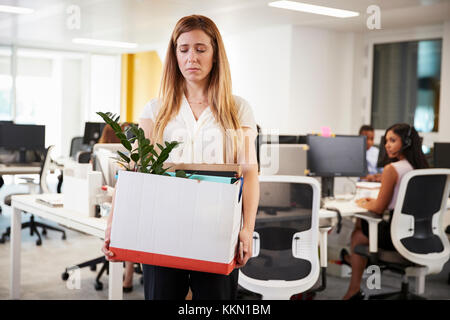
(202, 139)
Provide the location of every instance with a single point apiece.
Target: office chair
(417, 231)
(285, 242)
(43, 188)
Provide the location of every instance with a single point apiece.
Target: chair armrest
(369, 216)
(373, 219)
(323, 238)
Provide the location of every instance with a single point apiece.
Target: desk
(35, 168)
(18, 169)
(348, 208)
(92, 226)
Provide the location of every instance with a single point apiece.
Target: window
(5, 83)
(406, 84)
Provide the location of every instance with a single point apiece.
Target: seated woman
(404, 149)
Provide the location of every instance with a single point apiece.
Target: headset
(407, 142)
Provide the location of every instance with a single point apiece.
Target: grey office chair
(285, 248)
(43, 188)
(417, 231)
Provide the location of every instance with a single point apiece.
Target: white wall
(296, 79)
(321, 81)
(261, 70)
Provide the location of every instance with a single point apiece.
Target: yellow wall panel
(141, 75)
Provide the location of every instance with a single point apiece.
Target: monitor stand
(22, 156)
(327, 187)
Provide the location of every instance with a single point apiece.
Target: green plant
(144, 157)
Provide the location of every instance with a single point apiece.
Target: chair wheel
(93, 267)
(65, 276)
(44, 232)
(98, 286)
(38, 242)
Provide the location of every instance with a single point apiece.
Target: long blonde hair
(222, 103)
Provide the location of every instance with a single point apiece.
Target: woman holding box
(197, 108)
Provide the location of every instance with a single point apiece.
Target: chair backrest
(76, 146)
(417, 228)
(45, 167)
(83, 156)
(287, 251)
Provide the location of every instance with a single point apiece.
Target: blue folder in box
(227, 180)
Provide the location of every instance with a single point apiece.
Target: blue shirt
(372, 158)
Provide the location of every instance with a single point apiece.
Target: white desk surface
(90, 225)
(18, 169)
(347, 208)
(13, 169)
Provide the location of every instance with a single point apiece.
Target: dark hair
(411, 145)
(365, 127)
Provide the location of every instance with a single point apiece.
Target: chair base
(32, 224)
(92, 264)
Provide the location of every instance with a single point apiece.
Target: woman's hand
(105, 248)
(245, 247)
(364, 202)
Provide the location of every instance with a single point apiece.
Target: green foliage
(144, 158)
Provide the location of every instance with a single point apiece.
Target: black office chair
(422, 247)
(285, 258)
(92, 264)
(32, 224)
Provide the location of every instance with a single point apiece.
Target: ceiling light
(298, 6)
(105, 43)
(18, 10)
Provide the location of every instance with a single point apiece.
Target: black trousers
(161, 283)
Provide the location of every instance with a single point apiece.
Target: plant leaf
(124, 157)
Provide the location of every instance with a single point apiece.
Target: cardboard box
(176, 222)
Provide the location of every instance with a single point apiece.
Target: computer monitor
(22, 137)
(92, 132)
(338, 156)
(283, 159)
(441, 154)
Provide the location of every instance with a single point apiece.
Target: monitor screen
(22, 137)
(441, 152)
(92, 132)
(337, 156)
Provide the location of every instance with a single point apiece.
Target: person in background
(108, 136)
(372, 152)
(404, 150)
